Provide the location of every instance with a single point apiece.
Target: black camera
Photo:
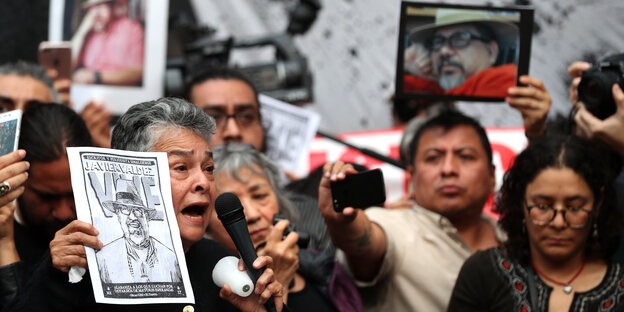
(594, 90)
(304, 238)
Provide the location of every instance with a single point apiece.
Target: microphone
(230, 212)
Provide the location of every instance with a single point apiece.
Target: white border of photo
(119, 99)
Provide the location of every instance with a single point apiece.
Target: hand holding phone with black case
(360, 190)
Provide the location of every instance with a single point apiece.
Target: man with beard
(147, 259)
(108, 48)
(47, 203)
(464, 53)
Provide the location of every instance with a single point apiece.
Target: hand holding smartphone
(56, 56)
(10, 123)
(360, 190)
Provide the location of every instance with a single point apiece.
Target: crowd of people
(555, 247)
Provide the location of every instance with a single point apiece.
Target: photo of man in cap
(463, 53)
(108, 46)
(136, 257)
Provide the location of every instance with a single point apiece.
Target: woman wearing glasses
(557, 206)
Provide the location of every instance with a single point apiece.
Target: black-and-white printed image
(145, 258)
(127, 198)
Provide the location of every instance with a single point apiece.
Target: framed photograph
(9, 131)
(127, 197)
(118, 49)
(458, 52)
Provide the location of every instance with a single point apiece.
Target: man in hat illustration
(463, 53)
(108, 47)
(146, 259)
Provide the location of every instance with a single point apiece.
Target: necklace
(567, 288)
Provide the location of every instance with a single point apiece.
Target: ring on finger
(5, 187)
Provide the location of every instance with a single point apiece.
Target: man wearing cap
(108, 48)
(464, 53)
(146, 259)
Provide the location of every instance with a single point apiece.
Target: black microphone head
(229, 208)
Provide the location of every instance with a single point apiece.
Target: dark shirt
(311, 221)
(489, 281)
(309, 299)
(30, 248)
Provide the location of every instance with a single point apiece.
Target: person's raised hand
(533, 102)
(610, 130)
(417, 61)
(266, 287)
(285, 253)
(13, 172)
(68, 246)
(332, 173)
(576, 70)
(97, 116)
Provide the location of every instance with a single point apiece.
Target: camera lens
(594, 91)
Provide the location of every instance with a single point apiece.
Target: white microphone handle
(226, 272)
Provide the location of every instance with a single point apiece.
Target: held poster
(127, 197)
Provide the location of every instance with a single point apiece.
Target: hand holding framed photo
(456, 52)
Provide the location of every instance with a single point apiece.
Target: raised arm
(363, 242)
(13, 173)
(589, 126)
(267, 288)
(533, 102)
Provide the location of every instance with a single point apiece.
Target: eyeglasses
(457, 40)
(574, 217)
(138, 211)
(244, 118)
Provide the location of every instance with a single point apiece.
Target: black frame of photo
(525, 26)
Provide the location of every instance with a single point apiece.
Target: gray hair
(142, 125)
(22, 68)
(230, 158)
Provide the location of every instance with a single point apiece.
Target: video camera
(286, 78)
(594, 90)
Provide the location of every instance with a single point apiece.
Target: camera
(286, 77)
(594, 90)
(304, 238)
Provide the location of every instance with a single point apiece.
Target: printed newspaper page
(127, 197)
(289, 133)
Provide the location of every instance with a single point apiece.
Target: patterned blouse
(489, 281)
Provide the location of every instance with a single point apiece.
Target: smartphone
(10, 123)
(360, 190)
(56, 55)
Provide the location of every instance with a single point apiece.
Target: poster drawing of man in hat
(108, 46)
(136, 257)
(463, 53)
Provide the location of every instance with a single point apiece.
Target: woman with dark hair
(557, 206)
